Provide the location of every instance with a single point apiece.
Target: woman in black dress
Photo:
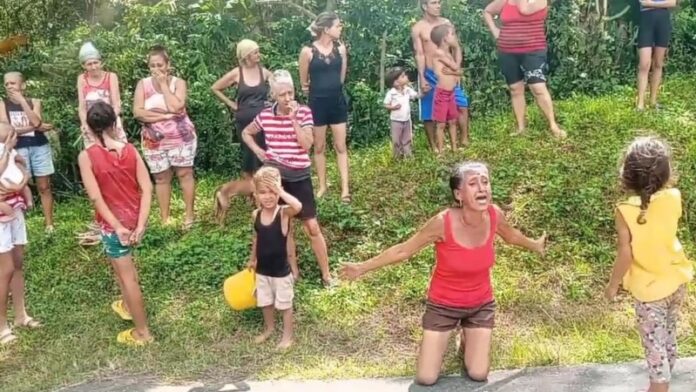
(250, 78)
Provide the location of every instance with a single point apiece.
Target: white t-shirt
(12, 175)
(403, 98)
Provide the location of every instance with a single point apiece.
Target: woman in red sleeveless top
(460, 292)
(118, 184)
(521, 42)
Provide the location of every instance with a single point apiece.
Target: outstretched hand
(540, 244)
(351, 271)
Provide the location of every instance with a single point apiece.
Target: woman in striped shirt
(287, 128)
(521, 42)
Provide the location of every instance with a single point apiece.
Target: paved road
(629, 377)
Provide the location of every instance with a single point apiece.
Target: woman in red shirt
(460, 292)
(521, 42)
(118, 183)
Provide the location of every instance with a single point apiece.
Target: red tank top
(462, 276)
(100, 92)
(522, 33)
(118, 184)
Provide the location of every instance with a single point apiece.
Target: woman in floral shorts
(168, 136)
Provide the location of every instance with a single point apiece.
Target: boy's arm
(252, 257)
(448, 62)
(388, 102)
(294, 206)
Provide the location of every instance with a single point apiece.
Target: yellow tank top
(659, 264)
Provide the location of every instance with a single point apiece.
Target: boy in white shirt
(398, 102)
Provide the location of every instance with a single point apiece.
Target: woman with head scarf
(250, 78)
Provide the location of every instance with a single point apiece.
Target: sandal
(188, 225)
(29, 323)
(126, 337)
(347, 199)
(329, 284)
(120, 310)
(7, 337)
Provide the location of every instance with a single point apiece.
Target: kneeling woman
(460, 292)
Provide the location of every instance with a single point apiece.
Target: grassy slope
(551, 311)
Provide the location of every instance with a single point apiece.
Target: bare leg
(320, 158)
(543, 99)
(6, 271)
(43, 185)
(440, 138)
(288, 326)
(519, 105)
(243, 187)
(132, 295)
(188, 188)
(163, 190)
(658, 63)
(311, 227)
(463, 121)
(477, 352)
(432, 352)
(430, 129)
(452, 125)
(644, 60)
(268, 324)
(339, 139)
(17, 286)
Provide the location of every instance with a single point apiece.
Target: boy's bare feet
(264, 336)
(285, 343)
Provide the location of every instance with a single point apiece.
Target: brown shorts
(442, 318)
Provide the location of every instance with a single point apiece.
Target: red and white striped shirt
(282, 146)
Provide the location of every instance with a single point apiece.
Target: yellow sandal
(117, 306)
(126, 337)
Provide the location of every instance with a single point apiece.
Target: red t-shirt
(118, 184)
(522, 33)
(462, 276)
(282, 146)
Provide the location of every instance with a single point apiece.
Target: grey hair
(459, 171)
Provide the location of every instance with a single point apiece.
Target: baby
(12, 175)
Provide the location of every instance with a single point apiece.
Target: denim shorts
(39, 159)
(113, 247)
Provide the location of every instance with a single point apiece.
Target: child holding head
(118, 184)
(398, 102)
(269, 257)
(651, 263)
(445, 109)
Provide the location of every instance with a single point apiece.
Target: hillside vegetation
(551, 310)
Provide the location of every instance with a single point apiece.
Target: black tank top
(251, 100)
(271, 247)
(19, 119)
(325, 73)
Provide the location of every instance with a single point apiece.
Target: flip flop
(126, 337)
(120, 310)
(188, 225)
(7, 337)
(329, 284)
(347, 199)
(29, 323)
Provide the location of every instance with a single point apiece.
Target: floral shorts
(657, 325)
(161, 159)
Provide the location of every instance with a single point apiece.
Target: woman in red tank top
(460, 292)
(521, 42)
(118, 183)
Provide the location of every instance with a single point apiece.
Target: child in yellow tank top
(651, 263)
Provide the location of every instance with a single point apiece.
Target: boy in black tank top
(275, 272)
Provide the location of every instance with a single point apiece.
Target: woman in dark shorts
(323, 67)
(252, 95)
(654, 34)
(460, 292)
(287, 129)
(521, 41)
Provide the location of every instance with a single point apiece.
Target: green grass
(550, 310)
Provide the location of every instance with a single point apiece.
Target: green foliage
(587, 56)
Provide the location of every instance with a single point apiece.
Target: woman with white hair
(460, 292)
(250, 78)
(96, 85)
(288, 133)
